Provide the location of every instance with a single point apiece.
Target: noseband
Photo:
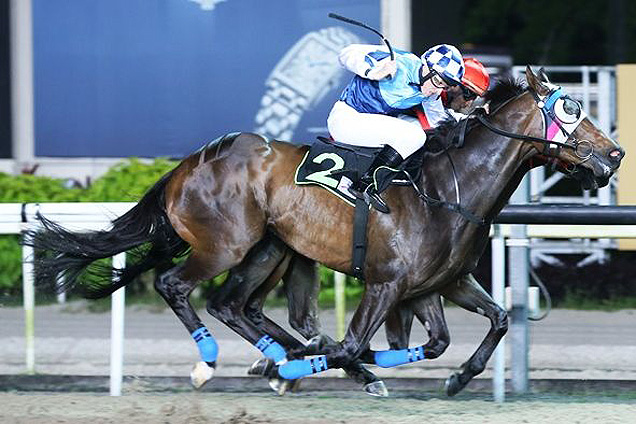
(561, 115)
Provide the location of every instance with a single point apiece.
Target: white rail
(16, 218)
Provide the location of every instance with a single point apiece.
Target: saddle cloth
(335, 166)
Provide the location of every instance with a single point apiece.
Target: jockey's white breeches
(347, 125)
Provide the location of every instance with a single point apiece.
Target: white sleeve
(355, 58)
(458, 116)
(434, 111)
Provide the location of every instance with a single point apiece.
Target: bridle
(561, 115)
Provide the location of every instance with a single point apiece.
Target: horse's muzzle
(615, 157)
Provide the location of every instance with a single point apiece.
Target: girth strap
(359, 246)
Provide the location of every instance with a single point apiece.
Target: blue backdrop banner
(162, 77)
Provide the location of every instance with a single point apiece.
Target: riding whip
(360, 24)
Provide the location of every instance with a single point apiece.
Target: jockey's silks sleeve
(389, 96)
(434, 111)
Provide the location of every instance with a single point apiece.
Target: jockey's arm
(434, 111)
(363, 59)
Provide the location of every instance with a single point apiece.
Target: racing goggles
(437, 80)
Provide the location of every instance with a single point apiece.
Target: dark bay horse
(223, 200)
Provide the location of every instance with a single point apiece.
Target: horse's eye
(567, 110)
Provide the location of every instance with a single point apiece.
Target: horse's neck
(489, 169)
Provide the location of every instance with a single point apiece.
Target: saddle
(335, 166)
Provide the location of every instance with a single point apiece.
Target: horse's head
(580, 145)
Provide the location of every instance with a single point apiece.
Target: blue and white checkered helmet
(447, 61)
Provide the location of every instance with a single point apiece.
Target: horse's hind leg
(233, 303)
(468, 294)
(175, 286)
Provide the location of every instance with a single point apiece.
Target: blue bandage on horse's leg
(392, 358)
(293, 370)
(271, 349)
(206, 344)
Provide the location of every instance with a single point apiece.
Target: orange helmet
(475, 77)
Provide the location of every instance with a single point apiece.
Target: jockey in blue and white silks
(366, 114)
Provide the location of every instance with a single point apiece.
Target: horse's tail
(144, 232)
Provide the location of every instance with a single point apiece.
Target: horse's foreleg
(430, 313)
(471, 296)
(302, 287)
(301, 284)
(377, 300)
(254, 309)
(398, 326)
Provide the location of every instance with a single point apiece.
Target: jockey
(459, 99)
(366, 114)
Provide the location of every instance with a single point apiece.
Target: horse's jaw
(590, 180)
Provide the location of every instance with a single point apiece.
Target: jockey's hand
(382, 69)
(485, 107)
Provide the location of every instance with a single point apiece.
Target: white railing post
(118, 303)
(498, 254)
(28, 293)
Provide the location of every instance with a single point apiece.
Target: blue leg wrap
(271, 349)
(206, 344)
(392, 358)
(293, 370)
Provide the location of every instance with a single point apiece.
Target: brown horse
(221, 201)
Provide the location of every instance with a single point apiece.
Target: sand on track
(314, 408)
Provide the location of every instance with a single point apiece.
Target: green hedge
(125, 182)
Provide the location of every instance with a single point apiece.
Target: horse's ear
(544, 76)
(535, 83)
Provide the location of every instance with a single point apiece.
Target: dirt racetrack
(335, 407)
(570, 346)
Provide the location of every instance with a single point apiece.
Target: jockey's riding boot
(365, 188)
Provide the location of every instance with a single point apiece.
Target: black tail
(144, 232)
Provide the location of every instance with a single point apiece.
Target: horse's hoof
(377, 388)
(453, 385)
(201, 373)
(281, 386)
(261, 367)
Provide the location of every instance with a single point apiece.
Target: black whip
(360, 24)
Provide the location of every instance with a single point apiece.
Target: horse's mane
(446, 133)
(506, 88)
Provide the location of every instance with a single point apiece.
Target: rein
(547, 107)
(453, 207)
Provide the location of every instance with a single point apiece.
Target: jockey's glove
(382, 69)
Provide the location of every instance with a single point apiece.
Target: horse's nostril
(616, 154)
